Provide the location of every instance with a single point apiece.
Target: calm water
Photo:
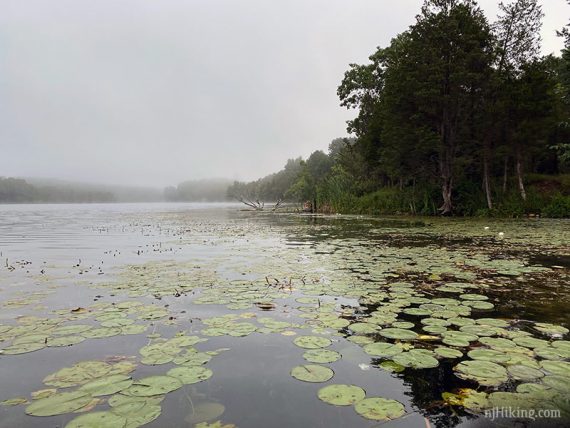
(66, 257)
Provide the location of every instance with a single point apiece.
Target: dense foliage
(456, 116)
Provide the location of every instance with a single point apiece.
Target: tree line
(458, 115)
(17, 190)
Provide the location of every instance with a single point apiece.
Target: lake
(176, 315)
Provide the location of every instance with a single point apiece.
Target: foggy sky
(154, 92)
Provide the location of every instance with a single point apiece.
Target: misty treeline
(17, 190)
(207, 190)
(457, 115)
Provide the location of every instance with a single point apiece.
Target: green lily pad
(14, 401)
(559, 383)
(58, 404)
(153, 385)
(107, 385)
(138, 414)
(71, 330)
(417, 312)
(98, 420)
(360, 340)
(190, 374)
(99, 333)
(134, 329)
(79, 374)
(22, 348)
(493, 322)
(392, 367)
(398, 333)
(312, 373)
(520, 372)
(530, 388)
(530, 342)
(118, 400)
(550, 329)
(448, 352)
(480, 330)
(488, 355)
(484, 372)
(382, 349)
(341, 395)
(561, 368)
(312, 342)
(379, 409)
(416, 359)
(363, 328)
(403, 324)
(64, 341)
(192, 359)
(321, 356)
(458, 338)
(434, 329)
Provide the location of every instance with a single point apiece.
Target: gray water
(70, 250)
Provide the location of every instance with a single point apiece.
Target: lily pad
(382, 349)
(22, 348)
(107, 385)
(416, 359)
(341, 395)
(448, 352)
(551, 329)
(520, 372)
(312, 342)
(312, 373)
(488, 355)
(138, 413)
(321, 356)
(153, 385)
(398, 333)
(59, 404)
(98, 420)
(561, 368)
(190, 374)
(484, 372)
(64, 341)
(363, 328)
(379, 409)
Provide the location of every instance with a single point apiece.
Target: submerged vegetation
(457, 116)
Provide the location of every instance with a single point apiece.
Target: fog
(146, 92)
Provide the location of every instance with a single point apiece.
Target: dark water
(70, 249)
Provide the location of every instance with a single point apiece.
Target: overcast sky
(154, 92)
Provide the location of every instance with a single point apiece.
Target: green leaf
(341, 395)
(190, 374)
(312, 342)
(312, 373)
(379, 409)
(58, 404)
(98, 420)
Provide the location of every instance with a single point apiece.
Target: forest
(459, 115)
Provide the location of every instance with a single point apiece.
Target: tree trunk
(446, 189)
(520, 175)
(486, 181)
(505, 174)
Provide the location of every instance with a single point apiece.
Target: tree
(517, 33)
(447, 67)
